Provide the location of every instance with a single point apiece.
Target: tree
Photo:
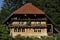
(58, 36)
(8, 7)
(4, 33)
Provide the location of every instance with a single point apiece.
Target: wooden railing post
(52, 28)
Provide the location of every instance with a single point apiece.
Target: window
(32, 23)
(25, 23)
(15, 29)
(19, 30)
(23, 30)
(22, 23)
(15, 23)
(37, 30)
(35, 23)
(43, 23)
(38, 22)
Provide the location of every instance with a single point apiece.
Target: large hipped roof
(28, 8)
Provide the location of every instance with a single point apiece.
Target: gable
(28, 9)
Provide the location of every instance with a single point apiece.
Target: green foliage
(25, 38)
(8, 7)
(4, 33)
(32, 38)
(58, 36)
(28, 23)
(49, 38)
(18, 37)
(50, 7)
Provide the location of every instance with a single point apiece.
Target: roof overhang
(7, 18)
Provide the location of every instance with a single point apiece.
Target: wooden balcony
(28, 24)
(33, 26)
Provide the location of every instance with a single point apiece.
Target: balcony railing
(31, 24)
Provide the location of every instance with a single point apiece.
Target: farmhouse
(29, 20)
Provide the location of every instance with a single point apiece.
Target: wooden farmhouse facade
(28, 20)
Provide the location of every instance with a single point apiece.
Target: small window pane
(39, 30)
(15, 29)
(43, 23)
(35, 30)
(25, 23)
(19, 29)
(23, 30)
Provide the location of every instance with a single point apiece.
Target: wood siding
(29, 32)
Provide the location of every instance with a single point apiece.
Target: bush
(19, 37)
(32, 38)
(25, 38)
(58, 36)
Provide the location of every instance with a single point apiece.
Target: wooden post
(55, 37)
(52, 28)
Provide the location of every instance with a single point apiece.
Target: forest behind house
(50, 7)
